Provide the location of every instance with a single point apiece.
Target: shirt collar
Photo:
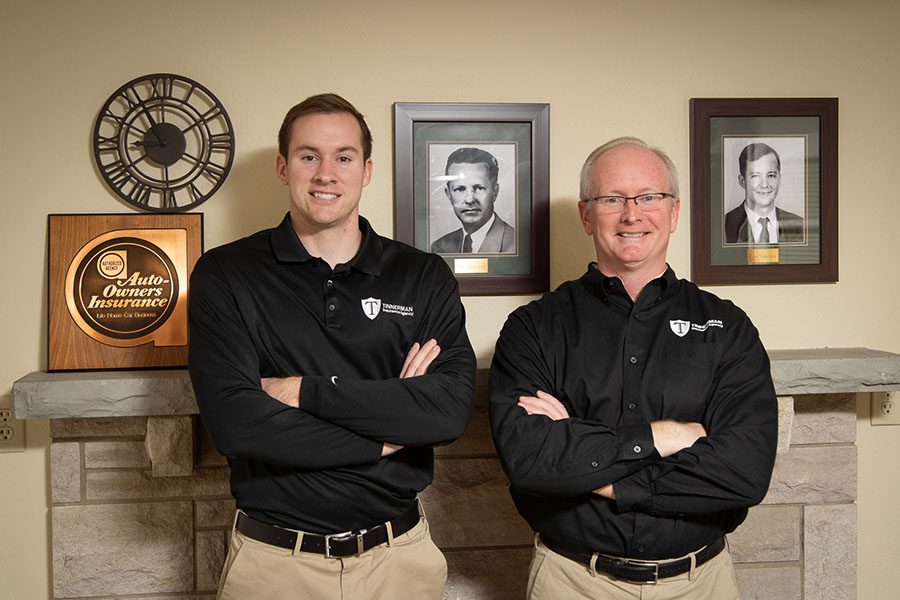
(287, 247)
(602, 286)
(754, 224)
(478, 236)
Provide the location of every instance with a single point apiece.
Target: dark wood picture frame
(526, 271)
(718, 126)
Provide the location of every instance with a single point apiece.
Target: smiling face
(472, 194)
(761, 181)
(631, 241)
(324, 171)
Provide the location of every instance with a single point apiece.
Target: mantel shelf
(43, 395)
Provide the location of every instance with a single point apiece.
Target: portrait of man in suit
(471, 187)
(758, 220)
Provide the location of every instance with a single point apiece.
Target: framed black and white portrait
(472, 206)
(763, 190)
(471, 184)
(760, 173)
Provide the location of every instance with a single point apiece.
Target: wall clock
(163, 143)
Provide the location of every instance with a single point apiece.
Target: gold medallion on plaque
(123, 291)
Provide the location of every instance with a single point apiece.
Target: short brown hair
(322, 103)
(756, 151)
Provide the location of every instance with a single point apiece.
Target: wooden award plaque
(118, 289)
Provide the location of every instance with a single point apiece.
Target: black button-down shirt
(677, 353)
(263, 307)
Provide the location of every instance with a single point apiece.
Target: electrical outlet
(12, 430)
(886, 408)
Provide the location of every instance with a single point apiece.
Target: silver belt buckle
(643, 563)
(343, 537)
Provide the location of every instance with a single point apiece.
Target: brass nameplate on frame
(118, 287)
(470, 265)
(762, 256)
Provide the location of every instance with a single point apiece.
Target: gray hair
(586, 184)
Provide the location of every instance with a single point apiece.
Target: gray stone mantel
(42, 395)
(128, 464)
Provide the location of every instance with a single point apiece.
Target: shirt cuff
(633, 493)
(635, 441)
(311, 393)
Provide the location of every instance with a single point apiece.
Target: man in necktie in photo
(757, 220)
(472, 189)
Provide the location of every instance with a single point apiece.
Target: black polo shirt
(677, 353)
(263, 307)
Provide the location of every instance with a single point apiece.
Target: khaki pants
(410, 566)
(555, 577)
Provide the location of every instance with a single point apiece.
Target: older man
(634, 413)
(472, 189)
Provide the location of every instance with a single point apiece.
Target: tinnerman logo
(371, 307)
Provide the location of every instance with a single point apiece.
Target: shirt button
(329, 283)
(594, 464)
(637, 449)
(331, 308)
(632, 406)
(633, 359)
(640, 548)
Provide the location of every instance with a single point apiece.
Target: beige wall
(606, 67)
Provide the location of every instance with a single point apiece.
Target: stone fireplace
(140, 505)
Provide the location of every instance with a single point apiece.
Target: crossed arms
(340, 422)
(287, 389)
(669, 436)
(660, 467)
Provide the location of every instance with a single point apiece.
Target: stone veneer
(141, 506)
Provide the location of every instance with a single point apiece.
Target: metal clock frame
(163, 143)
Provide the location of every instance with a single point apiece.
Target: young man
(757, 220)
(327, 361)
(633, 413)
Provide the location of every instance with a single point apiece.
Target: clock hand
(148, 144)
(149, 115)
(154, 126)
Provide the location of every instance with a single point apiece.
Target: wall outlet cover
(886, 408)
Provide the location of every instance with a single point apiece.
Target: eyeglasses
(644, 202)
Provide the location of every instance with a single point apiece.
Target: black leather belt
(638, 571)
(336, 545)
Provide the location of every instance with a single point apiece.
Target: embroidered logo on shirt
(398, 309)
(371, 307)
(681, 328)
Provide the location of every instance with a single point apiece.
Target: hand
(388, 449)
(606, 491)
(140, 144)
(284, 389)
(544, 404)
(671, 436)
(419, 358)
